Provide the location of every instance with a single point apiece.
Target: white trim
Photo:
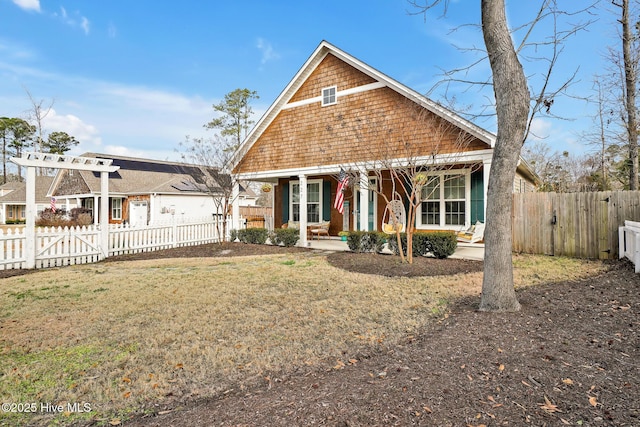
(329, 95)
(440, 159)
(113, 208)
(308, 181)
(339, 94)
(467, 202)
(310, 65)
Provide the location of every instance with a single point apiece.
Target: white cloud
(540, 129)
(112, 31)
(73, 125)
(84, 24)
(76, 21)
(268, 53)
(28, 4)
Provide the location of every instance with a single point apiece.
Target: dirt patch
(390, 266)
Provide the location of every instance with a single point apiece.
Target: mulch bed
(571, 356)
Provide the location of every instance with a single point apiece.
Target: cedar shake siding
(338, 114)
(370, 125)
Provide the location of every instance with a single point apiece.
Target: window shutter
(285, 202)
(326, 200)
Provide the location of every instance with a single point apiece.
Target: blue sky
(134, 77)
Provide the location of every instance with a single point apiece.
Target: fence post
(621, 246)
(175, 232)
(636, 250)
(30, 228)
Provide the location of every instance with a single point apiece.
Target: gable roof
(379, 79)
(18, 193)
(142, 176)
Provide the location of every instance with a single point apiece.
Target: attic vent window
(329, 95)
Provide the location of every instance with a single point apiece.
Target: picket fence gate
(57, 246)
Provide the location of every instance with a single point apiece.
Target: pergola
(55, 161)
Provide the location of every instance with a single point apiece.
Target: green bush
(285, 236)
(366, 241)
(233, 235)
(354, 241)
(15, 221)
(442, 244)
(253, 235)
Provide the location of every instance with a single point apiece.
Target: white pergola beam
(46, 160)
(56, 161)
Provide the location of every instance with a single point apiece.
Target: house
(337, 114)
(141, 191)
(13, 199)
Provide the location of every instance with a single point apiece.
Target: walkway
(464, 251)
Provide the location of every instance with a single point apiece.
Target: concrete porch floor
(468, 251)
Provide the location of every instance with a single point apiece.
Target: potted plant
(266, 187)
(343, 235)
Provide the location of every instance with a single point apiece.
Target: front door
(138, 213)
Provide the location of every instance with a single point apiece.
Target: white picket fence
(629, 238)
(58, 246)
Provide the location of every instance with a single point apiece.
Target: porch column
(30, 227)
(364, 200)
(486, 169)
(104, 213)
(235, 207)
(303, 210)
(96, 210)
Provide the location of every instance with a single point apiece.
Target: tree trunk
(512, 109)
(630, 82)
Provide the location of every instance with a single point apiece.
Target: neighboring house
(141, 192)
(340, 113)
(13, 195)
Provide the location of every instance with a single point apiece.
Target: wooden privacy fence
(58, 246)
(581, 225)
(256, 216)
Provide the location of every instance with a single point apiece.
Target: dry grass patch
(124, 336)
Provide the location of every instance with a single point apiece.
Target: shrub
(48, 218)
(366, 241)
(233, 235)
(354, 241)
(253, 235)
(285, 236)
(81, 216)
(443, 244)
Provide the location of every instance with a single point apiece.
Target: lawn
(102, 342)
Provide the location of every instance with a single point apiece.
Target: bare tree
(208, 160)
(622, 83)
(630, 57)
(515, 108)
(413, 155)
(39, 111)
(512, 110)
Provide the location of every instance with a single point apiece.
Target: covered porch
(304, 198)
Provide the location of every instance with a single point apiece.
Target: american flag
(343, 180)
(53, 205)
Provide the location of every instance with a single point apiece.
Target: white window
(445, 201)
(314, 201)
(329, 95)
(116, 209)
